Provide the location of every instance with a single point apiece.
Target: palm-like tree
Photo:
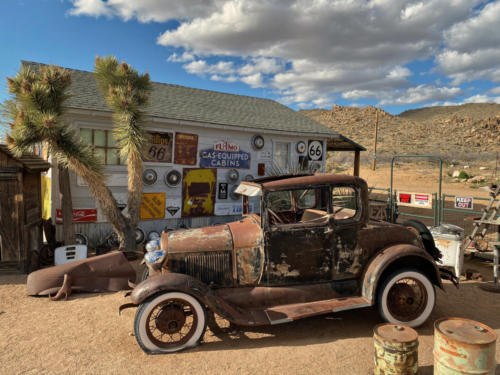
(36, 117)
(127, 93)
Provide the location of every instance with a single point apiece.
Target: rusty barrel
(463, 346)
(396, 350)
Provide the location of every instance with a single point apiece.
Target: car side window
(305, 198)
(344, 202)
(279, 201)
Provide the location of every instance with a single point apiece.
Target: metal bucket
(396, 350)
(463, 346)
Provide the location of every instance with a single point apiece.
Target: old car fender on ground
(393, 258)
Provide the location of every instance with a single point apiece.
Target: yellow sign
(45, 197)
(153, 206)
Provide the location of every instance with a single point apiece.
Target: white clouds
(473, 47)
(184, 57)
(145, 10)
(480, 98)
(422, 94)
(310, 52)
(495, 91)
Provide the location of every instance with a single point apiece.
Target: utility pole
(374, 162)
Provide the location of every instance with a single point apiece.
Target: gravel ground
(85, 335)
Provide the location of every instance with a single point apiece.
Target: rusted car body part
(396, 350)
(108, 272)
(392, 258)
(463, 346)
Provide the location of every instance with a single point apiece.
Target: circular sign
(149, 176)
(315, 150)
(233, 175)
(257, 142)
(173, 178)
(301, 147)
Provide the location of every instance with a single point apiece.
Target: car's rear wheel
(406, 297)
(169, 322)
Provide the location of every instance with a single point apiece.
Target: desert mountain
(469, 132)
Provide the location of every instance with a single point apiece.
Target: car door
(347, 214)
(298, 237)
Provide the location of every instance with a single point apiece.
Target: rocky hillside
(469, 132)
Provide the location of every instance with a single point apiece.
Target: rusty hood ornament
(108, 272)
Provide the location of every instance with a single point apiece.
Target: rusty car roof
(317, 179)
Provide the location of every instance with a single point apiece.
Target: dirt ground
(85, 335)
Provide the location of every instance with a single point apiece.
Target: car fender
(178, 282)
(402, 255)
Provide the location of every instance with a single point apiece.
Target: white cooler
(68, 254)
(449, 240)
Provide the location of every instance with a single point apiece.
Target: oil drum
(463, 346)
(396, 350)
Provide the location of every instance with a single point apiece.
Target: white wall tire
(406, 297)
(169, 322)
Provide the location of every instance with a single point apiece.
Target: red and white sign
(80, 215)
(421, 200)
(465, 203)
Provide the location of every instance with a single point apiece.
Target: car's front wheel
(169, 322)
(406, 297)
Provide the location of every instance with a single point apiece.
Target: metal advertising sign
(315, 150)
(422, 200)
(153, 206)
(222, 193)
(80, 215)
(465, 203)
(198, 191)
(225, 154)
(186, 147)
(173, 207)
(159, 147)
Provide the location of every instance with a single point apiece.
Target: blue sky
(393, 54)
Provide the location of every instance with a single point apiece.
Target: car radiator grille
(211, 267)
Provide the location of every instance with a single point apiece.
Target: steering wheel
(275, 216)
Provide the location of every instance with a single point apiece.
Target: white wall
(207, 136)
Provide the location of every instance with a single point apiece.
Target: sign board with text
(153, 206)
(421, 200)
(464, 203)
(80, 215)
(158, 147)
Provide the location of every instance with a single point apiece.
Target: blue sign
(211, 158)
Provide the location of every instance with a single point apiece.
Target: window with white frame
(103, 144)
(281, 155)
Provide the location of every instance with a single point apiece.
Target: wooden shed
(20, 209)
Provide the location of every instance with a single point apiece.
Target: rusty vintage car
(312, 250)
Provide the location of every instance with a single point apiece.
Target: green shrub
(463, 175)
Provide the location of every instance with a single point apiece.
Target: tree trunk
(135, 187)
(108, 204)
(66, 205)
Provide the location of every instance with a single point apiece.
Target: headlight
(155, 256)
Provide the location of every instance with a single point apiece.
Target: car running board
(288, 313)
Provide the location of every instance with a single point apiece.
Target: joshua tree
(127, 93)
(36, 117)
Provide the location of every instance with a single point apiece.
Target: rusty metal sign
(198, 191)
(159, 147)
(153, 206)
(186, 148)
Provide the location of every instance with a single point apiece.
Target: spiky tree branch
(127, 93)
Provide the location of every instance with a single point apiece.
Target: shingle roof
(31, 162)
(190, 104)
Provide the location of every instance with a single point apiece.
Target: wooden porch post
(356, 162)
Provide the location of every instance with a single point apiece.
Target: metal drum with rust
(463, 346)
(396, 350)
